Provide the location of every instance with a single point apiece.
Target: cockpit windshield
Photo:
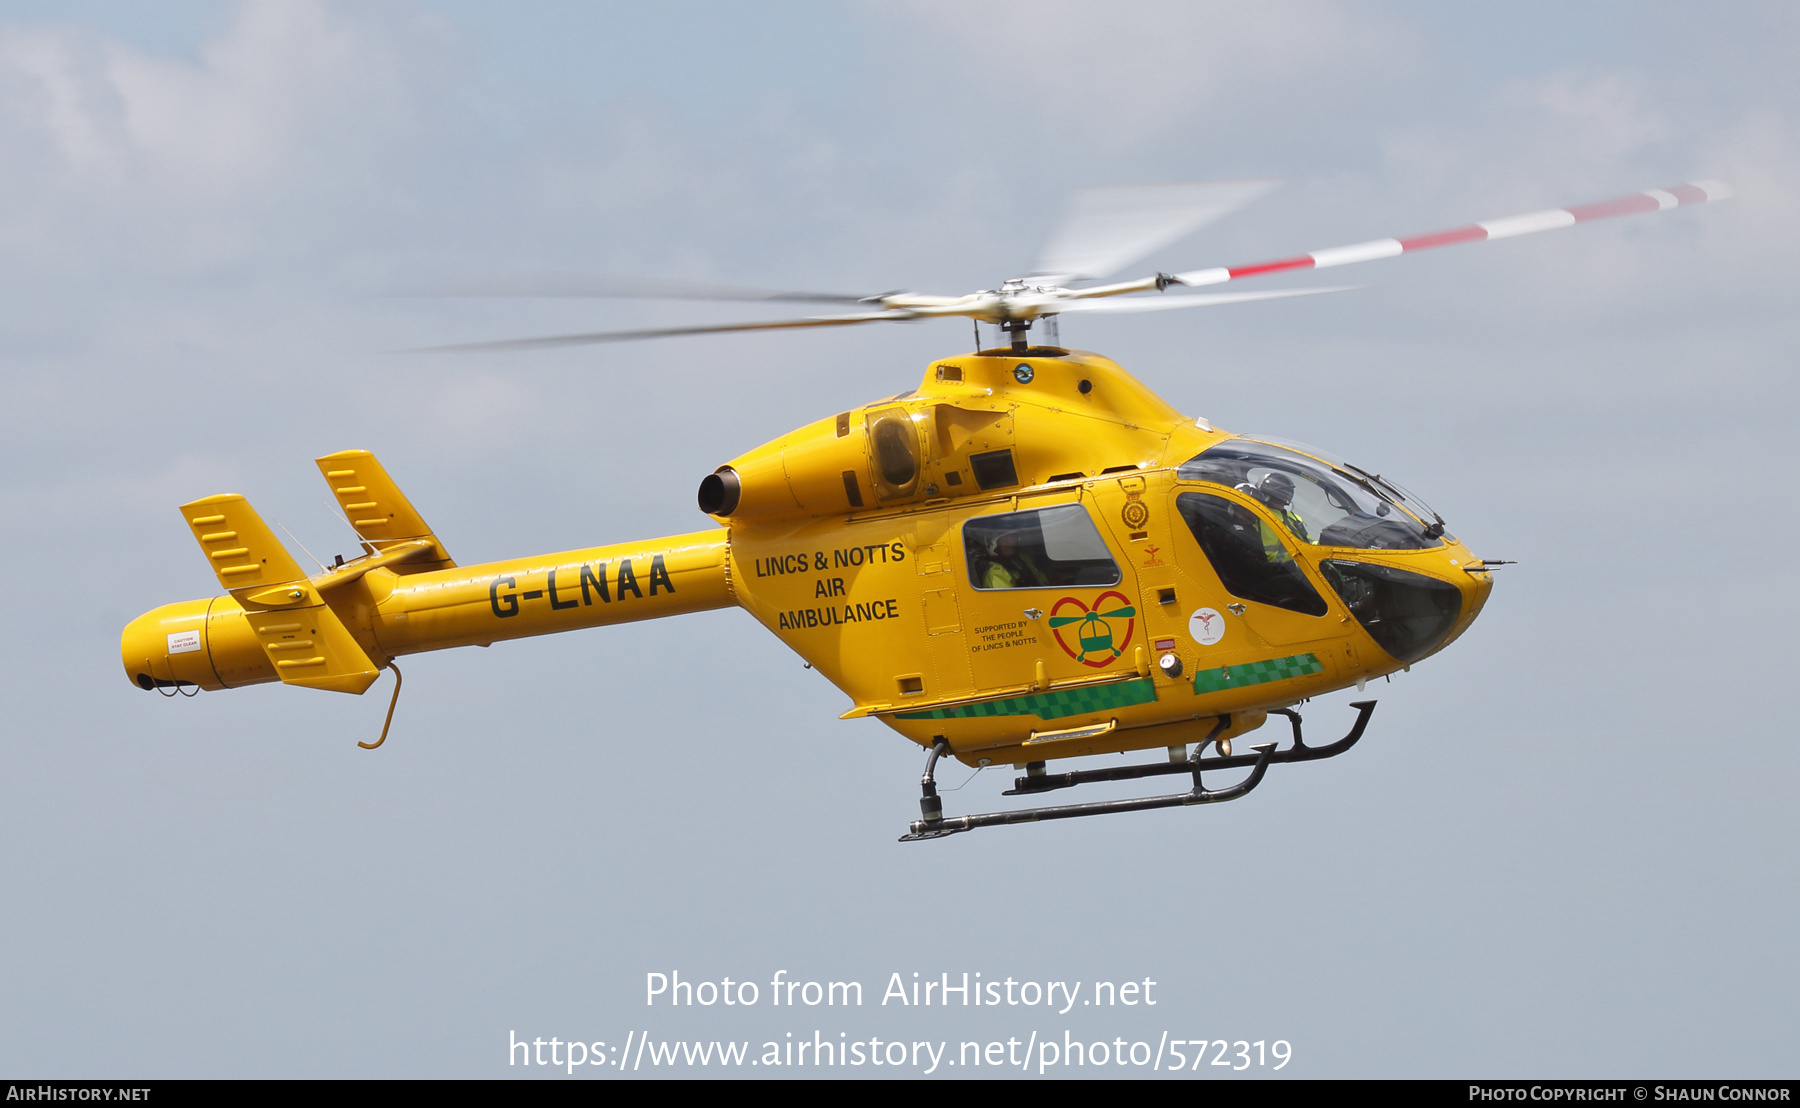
(1326, 503)
(1420, 510)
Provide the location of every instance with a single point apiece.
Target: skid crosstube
(935, 826)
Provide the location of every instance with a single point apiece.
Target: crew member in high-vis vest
(1277, 491)
(1008, 566)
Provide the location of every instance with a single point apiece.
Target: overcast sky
(1564, 849)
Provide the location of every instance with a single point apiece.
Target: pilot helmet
(1276, 490)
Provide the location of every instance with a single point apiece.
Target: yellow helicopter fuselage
(1001, 559)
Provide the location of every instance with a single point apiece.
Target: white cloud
(236, 118)
(54, 90)
(1577, 135)
(1117, 72)
(1602, 114)
(112, 150)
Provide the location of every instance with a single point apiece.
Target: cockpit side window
(1321, 504)
(1048, 548)
(1249, 553)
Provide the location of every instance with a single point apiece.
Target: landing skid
(935, 826)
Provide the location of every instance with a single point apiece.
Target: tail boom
(623, 583)
(211, 643)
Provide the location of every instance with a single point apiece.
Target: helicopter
(1027, 557)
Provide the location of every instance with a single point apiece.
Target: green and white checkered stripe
(1051, 705)
(1256, 673)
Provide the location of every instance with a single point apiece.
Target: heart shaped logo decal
(1094, 636)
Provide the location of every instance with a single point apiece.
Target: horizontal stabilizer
(378, 510)
(311, 647)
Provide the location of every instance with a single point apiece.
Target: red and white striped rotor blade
(1650, 200)
(1189, 300)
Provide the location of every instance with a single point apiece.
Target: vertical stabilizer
(304, 639)
(379, 511)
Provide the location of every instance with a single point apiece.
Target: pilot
(1277, 491)
(1007, 567)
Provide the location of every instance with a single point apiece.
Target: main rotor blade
(551, 341)
(1650, 200)
(592, 285)
(1197, 300)
(1107, 229)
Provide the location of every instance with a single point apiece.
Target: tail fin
(305, 641)
(378, 510)
(244, 554)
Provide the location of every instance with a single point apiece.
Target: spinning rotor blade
(1106, 229)
(891, 315)
(1109, 227)
(1197, 300)
(589, 285)
(550, 341)
(1650, 200)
